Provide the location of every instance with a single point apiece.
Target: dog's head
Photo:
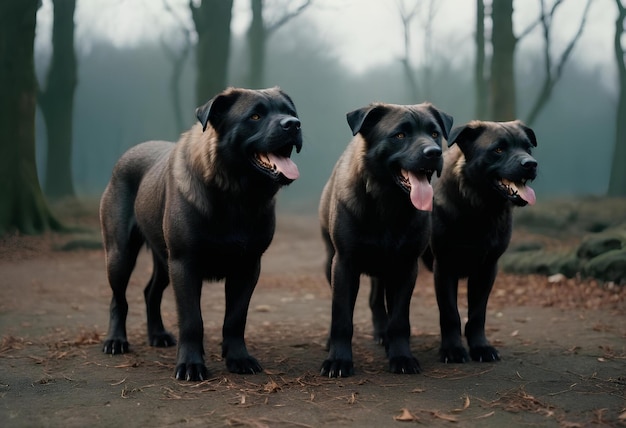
(257, 129)
(403, 146)
(498, 156)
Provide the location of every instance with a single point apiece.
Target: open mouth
(517, 192)
(277, 164)
(418, 186)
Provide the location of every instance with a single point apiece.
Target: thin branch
(570, 47)
(538, 21)
(287, 17)
(406, 18)
(554, 74)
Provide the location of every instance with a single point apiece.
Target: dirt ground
(562, 343)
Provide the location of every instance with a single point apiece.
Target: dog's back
(118, 200)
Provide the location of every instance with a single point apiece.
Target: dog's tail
(428, 258)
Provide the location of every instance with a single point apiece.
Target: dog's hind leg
(379, 311)
(330, 253)
(121, 255)
(153, 293)
(479, 287)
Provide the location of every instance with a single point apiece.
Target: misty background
(334, 57)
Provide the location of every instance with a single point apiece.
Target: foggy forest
(123, 94)
(84, 81)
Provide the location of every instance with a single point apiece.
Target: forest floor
(562, 343)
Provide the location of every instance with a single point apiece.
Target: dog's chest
(474, 235)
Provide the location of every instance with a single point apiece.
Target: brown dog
(205, 207)
(375, 219)
(486, 173)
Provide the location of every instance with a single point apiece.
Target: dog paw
(162, 340)
(115, 346)
(337, 368)
(484, 354)
(194, 372)
(404, 365)
(456, 354)
(247, 365)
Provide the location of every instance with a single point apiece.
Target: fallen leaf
(486, 415)
(406, 416)
(466, 404)
(445, 417)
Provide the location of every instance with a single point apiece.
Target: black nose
(432, 152)
(290, 124)
(529, 163)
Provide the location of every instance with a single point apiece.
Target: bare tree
(57, 102)
(502, 82)
(553, 71)
(22, 204)
(617, 181)
(480, 82)
(407, 17)
(178, 56)
(501, 90)
(428, 46)
(260, 31)
(212, 23)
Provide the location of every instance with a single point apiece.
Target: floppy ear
(443, 119)
(288, 98)
(361, 119)
(529, 133)
(465, 135)
(215, 108)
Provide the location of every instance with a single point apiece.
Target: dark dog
(375, 219)
(485, 175)
(205, 207)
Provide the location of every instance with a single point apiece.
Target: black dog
(205, 207)
(485, 174)
(375, 219)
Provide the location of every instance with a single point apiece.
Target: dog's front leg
(239, 287)
(479, 287)
(187, 283)
(345, 287)
(399, 291)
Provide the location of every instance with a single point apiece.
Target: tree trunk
(212, 21)
(480, 83)
(257, 40)
(57, 102)
(502, 91)
(22, 204)
(617, 181)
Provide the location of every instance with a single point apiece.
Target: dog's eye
(499, 150)
(255, 116)
(400, 135)
(435, 134)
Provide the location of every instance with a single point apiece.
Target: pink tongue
(527, 194)
(285, 165)
(421, 192)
